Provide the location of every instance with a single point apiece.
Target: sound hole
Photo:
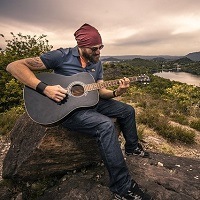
(77, 90)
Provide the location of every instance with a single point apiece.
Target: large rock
(39, 151)
(163, 176)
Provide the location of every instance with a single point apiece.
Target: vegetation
(161, 124)
(195, 123)
(184, 63)
(19, 47)
(8, 119)
(192, 68)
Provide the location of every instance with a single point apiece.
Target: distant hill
(111, 59)
(195, 56)
(184, 60)
(131, 57)
(159, 59)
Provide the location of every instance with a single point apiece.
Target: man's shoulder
(64, 50)
(70, 51)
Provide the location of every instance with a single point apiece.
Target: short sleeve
(53, 59)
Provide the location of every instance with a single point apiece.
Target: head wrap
(87, 36)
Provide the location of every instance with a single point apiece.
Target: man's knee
(107, 132)
(130, 110)
(107, 124)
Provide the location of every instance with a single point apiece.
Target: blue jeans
(97, 123)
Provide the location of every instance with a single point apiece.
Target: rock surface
(38, 152)
(164, 177)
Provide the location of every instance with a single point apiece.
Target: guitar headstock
(143, 79)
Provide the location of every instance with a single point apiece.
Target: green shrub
(8, 119)
(180, 118)
(18, 47)
(160, 123)
(178, 133)
(195, 124)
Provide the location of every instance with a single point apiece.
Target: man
(94, 121)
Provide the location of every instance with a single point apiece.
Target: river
(182, 77)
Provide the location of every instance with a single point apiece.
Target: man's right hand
(55, 92)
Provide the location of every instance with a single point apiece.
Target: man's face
(92, 54)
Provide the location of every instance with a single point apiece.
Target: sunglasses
(96, 48)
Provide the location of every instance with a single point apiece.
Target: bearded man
(94, 121)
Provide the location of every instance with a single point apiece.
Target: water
(182, 77)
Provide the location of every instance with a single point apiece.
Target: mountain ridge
(194, 56)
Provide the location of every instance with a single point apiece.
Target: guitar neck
(97, 86)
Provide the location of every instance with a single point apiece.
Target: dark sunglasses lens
(94, 48)
(101, 47)
(97, 48)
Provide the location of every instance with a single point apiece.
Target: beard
(94, 58)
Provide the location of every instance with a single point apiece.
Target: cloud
(126, 26)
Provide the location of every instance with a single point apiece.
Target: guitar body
(46, 111)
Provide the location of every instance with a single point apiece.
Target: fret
(100, 85)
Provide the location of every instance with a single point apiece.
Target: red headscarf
(87, 36)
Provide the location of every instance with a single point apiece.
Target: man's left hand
(123, 85)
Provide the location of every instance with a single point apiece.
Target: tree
(20, 46)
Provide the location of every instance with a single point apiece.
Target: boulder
(37, 151)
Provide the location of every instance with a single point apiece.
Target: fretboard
(97, 86)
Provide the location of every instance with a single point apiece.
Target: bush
(8, 119)
(195, 124)
(20, 46)
(160, 123)
(180, 118)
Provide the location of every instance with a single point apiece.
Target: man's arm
(22, 70)
(108, 94)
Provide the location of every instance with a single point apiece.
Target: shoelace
(130, 194)
(136, 197)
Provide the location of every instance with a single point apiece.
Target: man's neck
(83, 60)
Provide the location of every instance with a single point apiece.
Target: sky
(127, 27)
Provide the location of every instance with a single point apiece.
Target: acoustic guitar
(82, 91)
